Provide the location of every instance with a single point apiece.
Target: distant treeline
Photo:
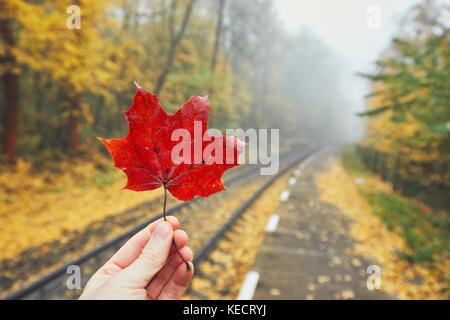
(427, 181)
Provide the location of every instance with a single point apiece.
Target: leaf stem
(173, 241)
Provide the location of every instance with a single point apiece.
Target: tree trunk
(218, 35)
(173, 47)
(11, 94)
(74, 120)
(73, 124)
(11, 115)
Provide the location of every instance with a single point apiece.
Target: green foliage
(415, 80)
(373, 112)
(408, 115)
(351, 161)
(426, 233)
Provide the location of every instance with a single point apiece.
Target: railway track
(225, 258)
(229, 206)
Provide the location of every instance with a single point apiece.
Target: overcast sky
(341, 24)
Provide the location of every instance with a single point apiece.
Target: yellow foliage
(37, 208)
(392, 137)
(73, 57)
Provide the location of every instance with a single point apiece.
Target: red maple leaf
(145, 154)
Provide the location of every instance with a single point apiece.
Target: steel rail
(203, 252)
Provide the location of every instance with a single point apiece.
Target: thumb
(152, 258)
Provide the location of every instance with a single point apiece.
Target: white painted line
(292, 181)
(272, 223)
(302, 165)
(294, 251)
(249, 286)
(284, 195)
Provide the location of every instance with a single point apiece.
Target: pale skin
(147, 267)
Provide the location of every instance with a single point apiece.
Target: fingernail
(162, 231)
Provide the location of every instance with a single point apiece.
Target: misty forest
(62, 87)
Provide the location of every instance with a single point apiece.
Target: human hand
(147, 267)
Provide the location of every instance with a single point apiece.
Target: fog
(329, 42)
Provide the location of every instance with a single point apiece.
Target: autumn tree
(176, 35)
(409, 102)
(74, 84)
(218, 34)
